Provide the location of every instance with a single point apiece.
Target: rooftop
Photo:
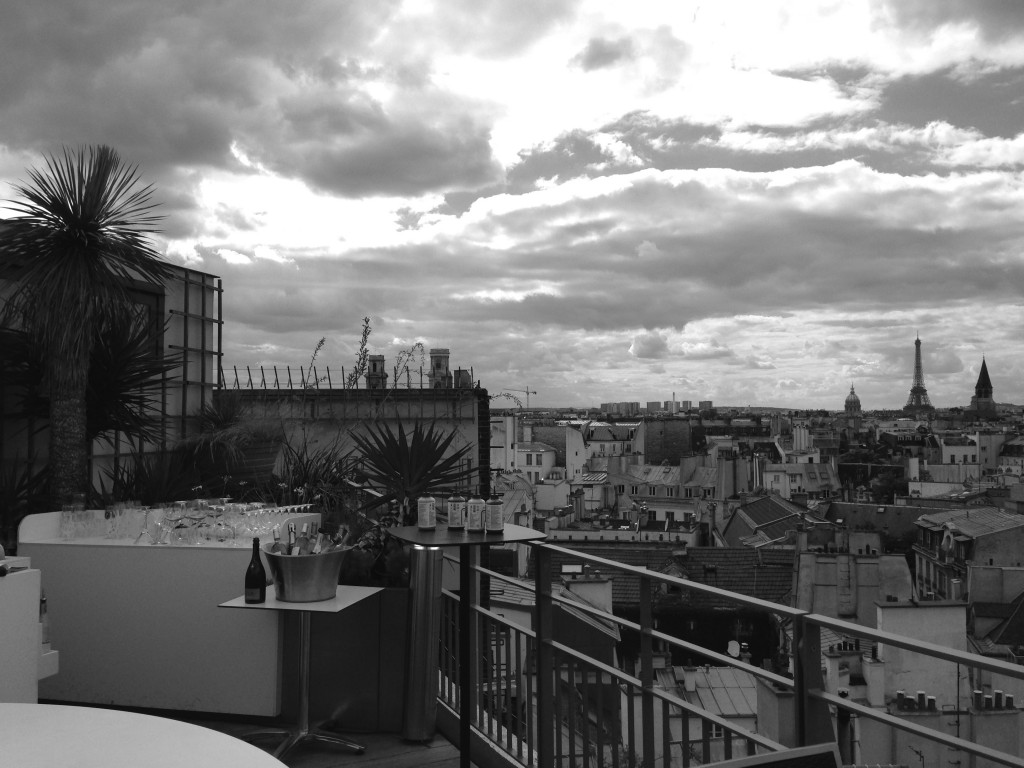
(625, 586)
(766, 574)
(973, 521)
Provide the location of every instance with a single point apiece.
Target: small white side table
(346, 596)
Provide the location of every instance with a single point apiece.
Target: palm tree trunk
(69, 446)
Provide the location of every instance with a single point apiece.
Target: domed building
(853, 416)
(852, 404)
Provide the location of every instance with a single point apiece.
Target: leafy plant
(226, 427)
(126, 378)
(77, 242)
(403, 466)
(23, 491)
(318, 473)
(151, 478)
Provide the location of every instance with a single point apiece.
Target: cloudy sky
(747, 202)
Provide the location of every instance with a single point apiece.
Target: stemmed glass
(145, 533)
(195, 516)
(172, 518)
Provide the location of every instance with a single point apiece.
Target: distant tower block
(918, 400)
(440, 377)
(376, 376)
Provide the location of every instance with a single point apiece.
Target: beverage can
(426, 513)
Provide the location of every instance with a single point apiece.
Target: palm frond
(126, 380)
(406, 465)
(79, 238)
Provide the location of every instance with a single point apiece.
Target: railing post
(545, 660)
(646, 672)
(813, 721)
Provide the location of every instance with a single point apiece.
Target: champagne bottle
(475, 514)
(426, 513)
(255, 577)
(302, 542)
(279, 548)
(457, 512)
(493, 522)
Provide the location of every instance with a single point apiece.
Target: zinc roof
(975, 521)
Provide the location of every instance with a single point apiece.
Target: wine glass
(145, 533)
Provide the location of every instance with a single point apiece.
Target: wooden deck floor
(382, 750)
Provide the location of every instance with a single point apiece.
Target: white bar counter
(137, 625)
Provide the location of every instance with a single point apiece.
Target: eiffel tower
(918, 400)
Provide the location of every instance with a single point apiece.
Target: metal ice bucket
(305, 578)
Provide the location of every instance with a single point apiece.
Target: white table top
(343, 598)
(48, 735)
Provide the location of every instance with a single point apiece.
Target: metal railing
(316, 378)
(544, 703)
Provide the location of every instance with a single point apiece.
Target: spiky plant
(78, 241)
(403, 466)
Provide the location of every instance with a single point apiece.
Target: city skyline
(731, 202)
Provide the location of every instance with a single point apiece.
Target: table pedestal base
(302, 732)
(294, 736)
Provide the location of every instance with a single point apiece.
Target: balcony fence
(546, 704)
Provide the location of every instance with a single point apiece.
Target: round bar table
(48, 735)
(468, 545)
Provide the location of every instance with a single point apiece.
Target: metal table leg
(302, 732)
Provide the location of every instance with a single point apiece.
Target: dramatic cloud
(728, 201)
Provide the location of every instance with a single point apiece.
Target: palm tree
(78, 241)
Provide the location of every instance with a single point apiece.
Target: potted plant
(376, 481)
(397, 467)
(233, 442)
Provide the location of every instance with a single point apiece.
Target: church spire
(984, 386)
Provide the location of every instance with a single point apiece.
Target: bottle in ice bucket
(302, 543)
(279, 548)
(492, 515)
(475, 514)
(293, 547)
(255, 577)
(457, 512)
(426, 513)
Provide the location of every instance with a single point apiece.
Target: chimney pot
(998, 701)
(921, 700)
(988, 701)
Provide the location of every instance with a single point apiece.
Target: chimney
(976, 699)
(592, 587)
(690, 679)
(957, 589)
(998, 700)
(921, 700)
(988, 701)
(1009, 701)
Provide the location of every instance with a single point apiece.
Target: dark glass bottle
(255, 577)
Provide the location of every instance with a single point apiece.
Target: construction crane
(526, 392)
